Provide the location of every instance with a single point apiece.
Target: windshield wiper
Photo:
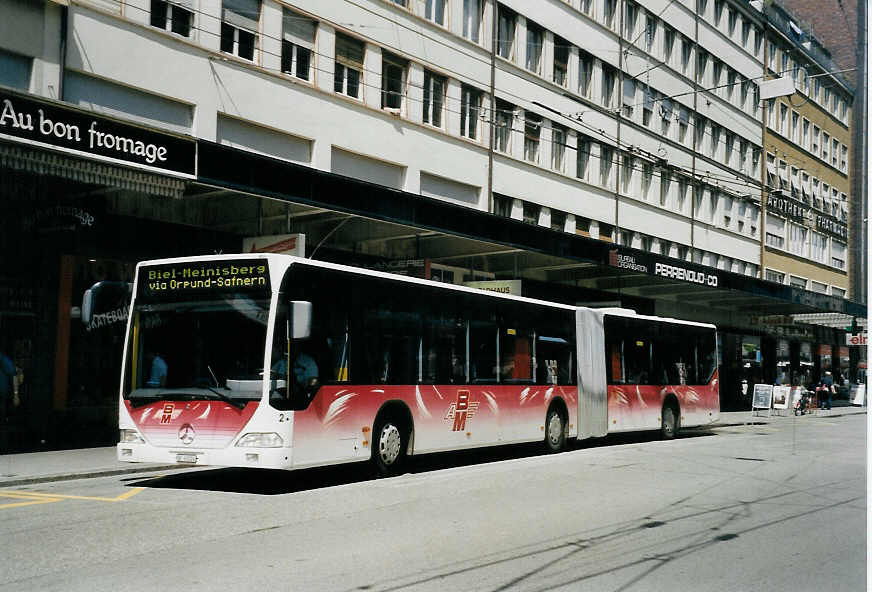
(225, 398)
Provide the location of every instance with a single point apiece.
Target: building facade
(603, 152)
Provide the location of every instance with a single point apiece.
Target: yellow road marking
(32, 501)
(37, 497)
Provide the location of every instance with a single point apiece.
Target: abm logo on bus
(461, 410)
(167, 413)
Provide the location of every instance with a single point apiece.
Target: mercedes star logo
(186, 433)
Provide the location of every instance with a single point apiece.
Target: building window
(583, 157)
(532, 135)
(838, 292)
(531, 212)
(585, 73)
(608, 86)
(607, 155)
(349, 66)
(606, 231)
(434, 10)
(505, 117)
(775, 231)
(775, 276)
(558, 146)
(686, 54)
(239, 22)
(472, 19)
(668, 43)
(561, 60)
(171, 17)
(434, 98)
(631, 14)
(298, 43)
(609, 7)
(701, 65)
(798, 244)
(535, 41)
(838, 251)
(470, 108)
(558, 220)
(650, 32)
(819, 247)
(506, 32)
(393, 81)
(503, 205)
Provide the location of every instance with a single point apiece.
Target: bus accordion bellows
(273, 361)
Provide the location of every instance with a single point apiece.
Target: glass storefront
(64, 234)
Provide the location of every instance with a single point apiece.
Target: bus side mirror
(301, 319)
(87, 306)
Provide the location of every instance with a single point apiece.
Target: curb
(85, 475)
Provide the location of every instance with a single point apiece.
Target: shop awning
(48, 162)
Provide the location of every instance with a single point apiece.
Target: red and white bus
(275, 361)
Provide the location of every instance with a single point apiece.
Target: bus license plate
(186, 458)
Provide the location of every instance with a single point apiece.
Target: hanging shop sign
(46, 123)
(666, 268)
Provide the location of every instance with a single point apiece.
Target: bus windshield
(197, 349)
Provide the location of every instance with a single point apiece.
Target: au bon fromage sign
(48, 123)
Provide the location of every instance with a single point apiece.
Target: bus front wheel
(389, 446)
(555, 431)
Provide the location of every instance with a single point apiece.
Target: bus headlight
(129, 436)
(261, 440)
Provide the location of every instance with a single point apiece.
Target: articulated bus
(274, 361)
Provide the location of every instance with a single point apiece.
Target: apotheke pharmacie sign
(46, 123)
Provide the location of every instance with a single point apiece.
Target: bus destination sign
(162, 282)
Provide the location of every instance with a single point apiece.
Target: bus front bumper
(264, 458)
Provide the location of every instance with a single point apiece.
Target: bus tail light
(130, 436)
(261, 440)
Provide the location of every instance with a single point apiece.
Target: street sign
(856, 338)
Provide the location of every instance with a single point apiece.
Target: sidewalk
(63, 465)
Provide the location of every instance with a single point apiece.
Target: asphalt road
(776, 508)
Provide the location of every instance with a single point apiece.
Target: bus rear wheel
(390, 440)
(669, 422)
(555, 431)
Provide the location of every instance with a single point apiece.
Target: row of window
(390, 332)
(641, 352)
(831, 100)
(811, 137)
(804, 242)
(780, 277)
(806, 188)
(532, 213)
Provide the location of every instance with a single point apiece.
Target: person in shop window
(8, 383)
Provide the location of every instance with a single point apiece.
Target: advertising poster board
(762, 397)
(795, 396)
(780, 397)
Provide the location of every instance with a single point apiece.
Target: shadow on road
(277, 482)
